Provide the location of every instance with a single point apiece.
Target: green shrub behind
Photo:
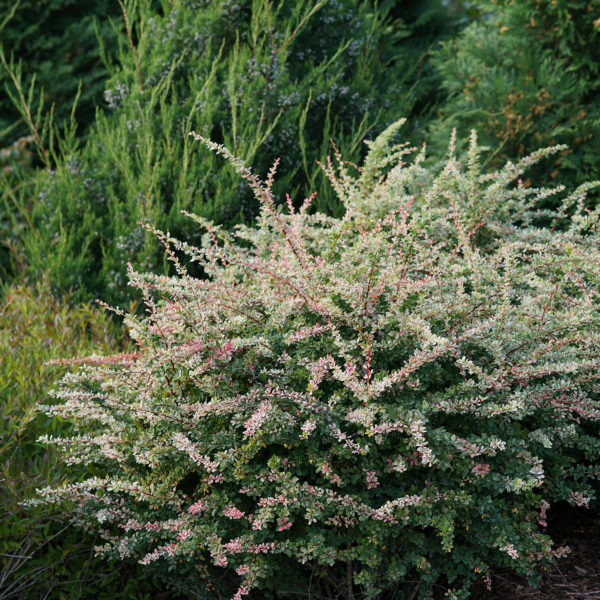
(15, 169)
(55, 41)
(525, 75)
(266, 78)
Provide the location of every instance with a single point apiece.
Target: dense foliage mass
(52, 78)
(268, 79)
(526, 75)
(41, 555)
(355, 404)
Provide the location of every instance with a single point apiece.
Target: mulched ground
(574, 577)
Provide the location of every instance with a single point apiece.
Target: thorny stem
(349, 579)
(547, 305)
(369, 361)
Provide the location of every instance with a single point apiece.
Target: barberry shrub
(352, 406)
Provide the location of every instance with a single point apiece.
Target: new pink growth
(243, 590)
(306, 332)
(182, 535)
(221, 561)
(233, 512)
(234, 546)
(481, 470)
(283, 524)
(259, 416)
(197, 508)
(372, 481)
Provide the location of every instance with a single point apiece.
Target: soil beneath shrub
(574, 577)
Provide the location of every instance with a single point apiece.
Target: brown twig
(415, 591)
(349, 579)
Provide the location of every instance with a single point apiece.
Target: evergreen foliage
(15, 169)
(355, 404)
(55, 43)
(53, 76)
(266, 78)
(527, 74)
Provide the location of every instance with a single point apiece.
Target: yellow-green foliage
(36, 328)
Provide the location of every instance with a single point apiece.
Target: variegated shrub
(355, 405)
